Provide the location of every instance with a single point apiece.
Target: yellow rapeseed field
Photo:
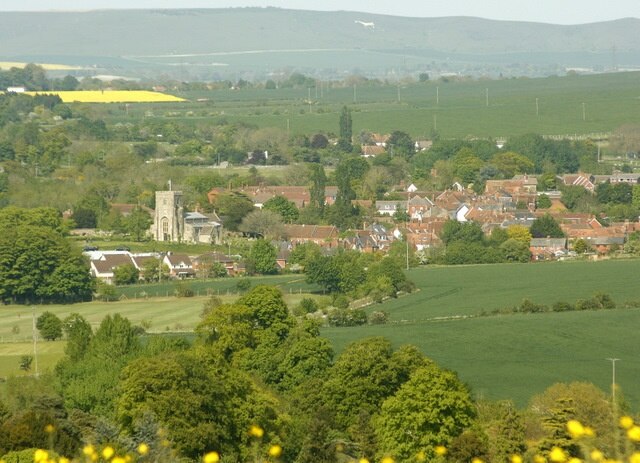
(45, 66)
(112, 96)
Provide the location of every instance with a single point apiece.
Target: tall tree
(346, 130)
(546, 226)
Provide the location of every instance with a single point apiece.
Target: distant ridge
(81, 36)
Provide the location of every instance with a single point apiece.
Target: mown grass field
(517, 356)
(454, 109)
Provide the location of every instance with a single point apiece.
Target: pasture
(519, 355)
(471, 108)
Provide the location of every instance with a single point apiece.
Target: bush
(308, 305)
(605, 301)
(340, 301)
(106, 292)
(346, 317)
(183, 290)
(243, 285)
(563, 307)
(528, 306)
(379, 317)
(587, 304)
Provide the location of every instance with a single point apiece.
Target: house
(621, 177)
(104, 263)
(546, 248)
(423, 145)
(325, 236)
(180, 265)
(371, 151)
(202, 261)
(390, 208)
(419, 207)
(579, 179)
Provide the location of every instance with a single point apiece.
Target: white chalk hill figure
(366, 25)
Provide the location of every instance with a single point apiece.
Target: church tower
(168, 222)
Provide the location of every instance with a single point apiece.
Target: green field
(455, 109)
(516, 356)
(506, 356)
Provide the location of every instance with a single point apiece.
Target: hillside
(264, 39)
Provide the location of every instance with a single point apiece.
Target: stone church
(172, 223)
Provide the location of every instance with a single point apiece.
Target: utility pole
(35, 340)
(355, 93)
(584, 112)
(613, 378)
(487, 95)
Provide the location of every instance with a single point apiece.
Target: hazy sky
(550, 11)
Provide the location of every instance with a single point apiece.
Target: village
(504, 203)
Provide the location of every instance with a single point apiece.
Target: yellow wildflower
(635, 457)
(589, 432)
(88, 450)
(516, 459)
(256, 431)
(539, 459)
(597, 455)
(211, 457)
(108, 452)
(626, 422)
(440, 450)
(49, 428)
(633, 433)
(143, 449)
(119, 460)
(557, 455)
(420, 456)
(363, 460)
(575, 429)
(64, 460)
(387, 460)
(40, 456)
(275, 451)
(477, 460)
(575, 460)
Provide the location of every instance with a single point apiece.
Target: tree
(346, 130)
(263, 223)
(25, 362)
(400, 144)
(428, 410)
(154, 269)
(510, 163)
(543, 202)
(581, 246)
(137, 223)
(263, 255)
(519, 233)
(323, 271)
(232, 207)
(546, 226)
(287, 209)
(126, 274)
(516, 251)
(469, 232)
(318, 180)
(85, 218)
(50, 326)
(38, 263)
(267, 306)
(79, 334)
